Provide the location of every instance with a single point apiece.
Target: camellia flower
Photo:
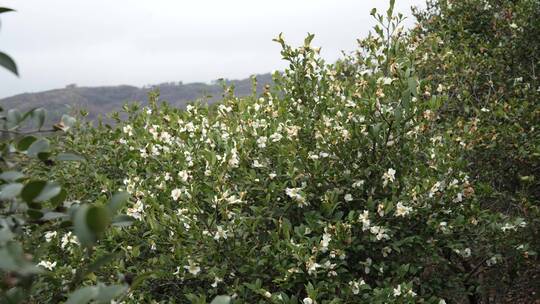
(295, 194)
(175, 194)
(193, 268)
(389, 176)
(49, 235)
(402, 210)
(307, 300)
(47, 264)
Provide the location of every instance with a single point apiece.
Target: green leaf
(6, 10)
(8, 63)
(34, 214)
(108, 293)
(221, 300)
(69, 157)
(98, 219)
(14, 116)
(39, 146)
(11, 176)
(83, 295)
(31, 190)
(25, 142)
(39, 115)
(59, 199)
(84, 234)
(10, 191)
(123, 221)
(117, 201)
(50, 191)
(90, 222)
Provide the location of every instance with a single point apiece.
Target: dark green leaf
(6, 10)
(8, 63)
(97, 219)
(25, 142)
(32, 190)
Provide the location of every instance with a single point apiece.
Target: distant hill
(103, 100)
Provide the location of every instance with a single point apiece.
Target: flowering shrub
(361, 181)
(338, 185)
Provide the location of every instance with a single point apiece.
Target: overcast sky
(136, 42)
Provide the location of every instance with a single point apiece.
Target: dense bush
(342, 184)
(381, 178)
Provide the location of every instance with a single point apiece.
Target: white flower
(217, 280)
(234, 161)
(261, 142)
(267, 294)
(364, 218)
(136, 211)
(295, 193)
(355, 286)
(402, 210)
(348, 197)
(220, 233)
(389, 176)
(49, 235)
(193, 268)
(307, 300)
(184, 175)
(68, 238)
(442, 301)
(257, 164)
(128, 130)
(175, 194)
(397, 291)
(325, 242)
(276, 137)
(47, 264)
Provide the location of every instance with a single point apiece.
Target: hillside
(105, 99)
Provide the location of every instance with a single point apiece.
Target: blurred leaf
(69, 157)
(14, 116)
(98, 219)
(221, 300)
(31, 190)
(25, 142)
(117, 201)
(39, 115)
(82, 295)
(6, 10)
(8, 63)
(34, 214)
(84, 234)
(12, 258)
(10, 191)
(39, 146)
(123, 221)
(50, 191)
(108, 293)
(59, 199)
